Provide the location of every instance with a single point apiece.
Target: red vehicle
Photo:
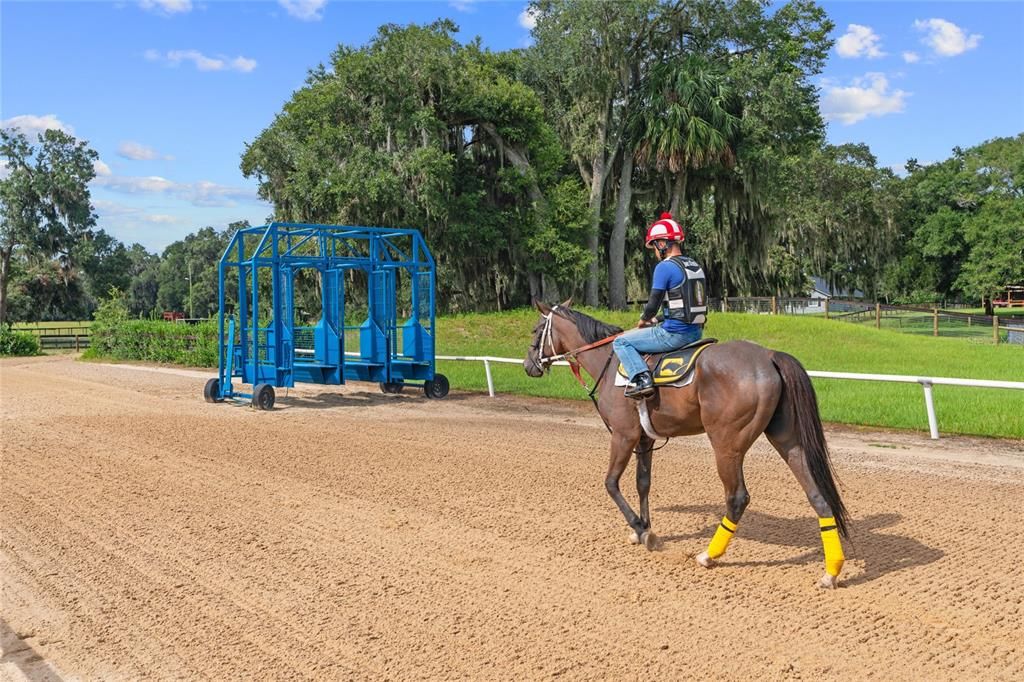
(1011, 298)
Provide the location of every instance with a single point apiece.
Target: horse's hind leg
(644, 459)
(621, 450)
(785, 439)
(730, 469)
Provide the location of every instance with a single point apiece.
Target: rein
(546, 361)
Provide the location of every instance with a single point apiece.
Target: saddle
(674, 368)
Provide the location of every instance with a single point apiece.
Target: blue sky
(169, 91)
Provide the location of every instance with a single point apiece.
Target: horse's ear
(540, 305)
(567, 302)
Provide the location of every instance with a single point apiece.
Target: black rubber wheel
(263, 396)
(211, 392)
(436, 389)
(391, 386)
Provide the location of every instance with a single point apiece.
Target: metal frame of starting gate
(260, 344)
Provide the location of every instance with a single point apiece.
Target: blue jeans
(630, 345)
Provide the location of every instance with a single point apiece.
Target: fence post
(935, 321)
(995, 328)
(878, 315)
(826, 308)
(77, 348)
(490, 381)
(929, 404)
(775, 306)
(725, 304)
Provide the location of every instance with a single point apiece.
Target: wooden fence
(911, 319)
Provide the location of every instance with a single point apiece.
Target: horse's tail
(799, 393)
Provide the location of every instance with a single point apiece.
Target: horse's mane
(590, 329)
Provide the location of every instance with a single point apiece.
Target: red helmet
(665, 228)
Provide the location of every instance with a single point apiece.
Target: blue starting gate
(260, 342)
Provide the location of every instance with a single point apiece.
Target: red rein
(575, 366)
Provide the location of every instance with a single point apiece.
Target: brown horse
(739, 391)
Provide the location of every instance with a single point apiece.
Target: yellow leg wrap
(722, 537)
(833, 548)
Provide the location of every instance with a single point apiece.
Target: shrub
(17, 343)
(115, 336)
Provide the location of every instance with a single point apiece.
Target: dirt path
(355, 535)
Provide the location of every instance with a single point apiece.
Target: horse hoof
(704, 560)
(634, 539)
(828, 582)
(650, 541)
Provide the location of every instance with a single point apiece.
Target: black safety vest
(687, 302)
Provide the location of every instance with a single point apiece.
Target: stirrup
(642, 389)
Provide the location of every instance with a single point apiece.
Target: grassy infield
(819, 344)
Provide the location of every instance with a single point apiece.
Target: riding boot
(641, 387)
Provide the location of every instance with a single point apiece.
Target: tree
(104, 262)
(144, 288)
(584, 60)
(959, 224)
(188, 275)
(839, 221)
(416, 129)
(44, 200)
(671, 103)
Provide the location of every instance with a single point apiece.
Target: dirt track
(350, 534)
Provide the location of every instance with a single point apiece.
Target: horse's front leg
(621, 450)
(644, 459)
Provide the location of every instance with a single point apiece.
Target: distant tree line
(534, 172)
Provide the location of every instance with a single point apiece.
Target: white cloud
(160, 218)
(859, 41)
(463, 5)
(112, 208)
(202, 61)
(32, 125)
(167, 7)
(201, 193)
(4, 170)
(127, 184)
(100, 168)
(866, 96)
(911, 57)
(306, 10)
(243, 64)
(528, 18)
(139, 152)
(946, 38)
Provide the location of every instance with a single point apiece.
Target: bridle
(544, 362)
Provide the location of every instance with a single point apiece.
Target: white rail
(925, 382)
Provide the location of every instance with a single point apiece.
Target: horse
(739, 391)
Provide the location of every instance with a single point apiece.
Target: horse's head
(554, 334)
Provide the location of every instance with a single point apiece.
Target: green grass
(72, 324)
(1000, 312)
(819, 344)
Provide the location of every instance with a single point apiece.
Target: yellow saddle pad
(673, 366)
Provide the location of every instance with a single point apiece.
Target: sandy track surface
(348, 534)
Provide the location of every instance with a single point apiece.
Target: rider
(678, 290)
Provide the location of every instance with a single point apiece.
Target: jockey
(678, 291)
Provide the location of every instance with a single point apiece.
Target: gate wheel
(391, 386)
(436, 389)
(211, 392)
(263, 396)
